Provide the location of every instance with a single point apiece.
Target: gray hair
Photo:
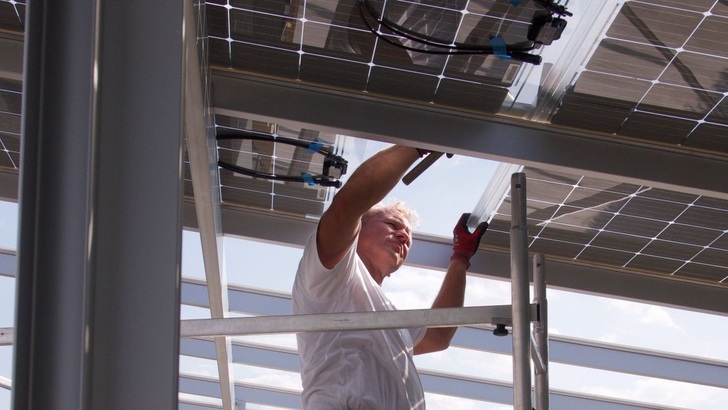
(398, 206)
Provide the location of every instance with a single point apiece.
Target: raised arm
(366, 187)
(452, 291)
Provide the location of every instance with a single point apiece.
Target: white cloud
(667, 393)
(609, 338)
(412, 288)
(645, 314)
(271, 378)
(469, 363)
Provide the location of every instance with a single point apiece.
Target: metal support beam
(100, 210)
(541, 333)
(324, 322)
(566, 350)
(481, 389)
(497, 138)
(519, 295)
(201, 151)
(431, 252)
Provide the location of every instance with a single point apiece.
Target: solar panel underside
(622, 225)
(659, 74)
(10, 108)
(327, 43)
(271, 158)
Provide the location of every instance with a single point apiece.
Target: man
(358, 243)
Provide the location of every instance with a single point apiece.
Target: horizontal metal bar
(7, 336)
(430, 252)
(498, 138)
(434, 252)
(472, 388)
(6, 383)
(562, 349)
(499, 314)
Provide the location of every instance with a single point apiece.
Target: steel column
(202, 154)
(100, 206)
(519, 295)
(541, 333)
(51, 366)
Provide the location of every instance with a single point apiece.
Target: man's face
(384, 243)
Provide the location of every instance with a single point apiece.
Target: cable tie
(315, 146)
(308, 178)
(499, 47)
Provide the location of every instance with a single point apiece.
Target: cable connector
(545, 28)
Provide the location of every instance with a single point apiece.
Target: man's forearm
(376, 177)
(451, 294)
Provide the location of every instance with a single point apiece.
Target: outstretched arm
(366, 187)
(452, 291)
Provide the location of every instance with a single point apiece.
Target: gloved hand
(465, 244)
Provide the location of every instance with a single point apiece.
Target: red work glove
(465, 244)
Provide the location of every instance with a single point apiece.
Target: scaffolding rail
(518, 315)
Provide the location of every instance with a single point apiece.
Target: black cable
(519, 55)
(331, 161)
(460, 48)
(517, 51)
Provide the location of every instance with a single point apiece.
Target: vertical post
(100, 206)
(55, 206)
(540, 332)
(520, 295)
(139, 174)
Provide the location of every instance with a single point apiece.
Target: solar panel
(628, 226)
(10, 108)
(328, 43)
(659, 74)
(12, 15)
(271, 158)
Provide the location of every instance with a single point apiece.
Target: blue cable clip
(515, 3)
(315, 146)
(308, 178)
(499, 47)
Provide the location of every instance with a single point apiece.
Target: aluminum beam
(519, 295)
(496, 138)
(7, 336)
(188, 405)
(201, 151)
(6, 383)
(433, 252)
(100, 206)
(541, 334)
(566, 350)
(324, 322)
(480, 389)
(562, 349)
